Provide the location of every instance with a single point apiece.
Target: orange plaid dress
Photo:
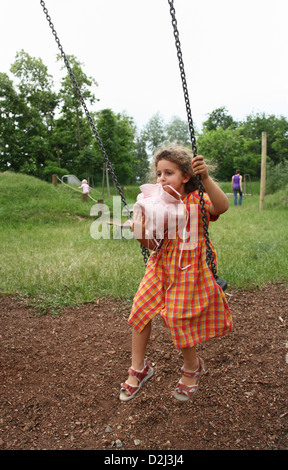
(190, 302)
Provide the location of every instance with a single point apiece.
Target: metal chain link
(209, 254)
(145, 251)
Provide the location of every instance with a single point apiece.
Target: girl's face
(168, 173)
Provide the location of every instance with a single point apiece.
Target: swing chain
(108, 163)
(209, 254)
(145, 251)
(183, 77)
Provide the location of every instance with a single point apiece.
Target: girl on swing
(178, 283)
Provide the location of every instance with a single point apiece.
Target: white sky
(234, 52)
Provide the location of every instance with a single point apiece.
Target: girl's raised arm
(219, 200)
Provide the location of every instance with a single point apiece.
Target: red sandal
(129, 391)
(185, 392)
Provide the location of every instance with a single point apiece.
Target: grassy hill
(25, 199)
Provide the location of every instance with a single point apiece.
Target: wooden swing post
(263, 170)
(105, 174)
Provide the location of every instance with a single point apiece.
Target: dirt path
(60, 381)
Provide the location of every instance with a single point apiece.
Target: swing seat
(122, 225)
(222, 283)
(118, 227)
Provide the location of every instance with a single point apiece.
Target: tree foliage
(37, 103)
(156, 133)
(219, 118)
(238, 145)
(117, 133)
(43, 131)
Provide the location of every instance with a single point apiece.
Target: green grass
(47, 251)
(252, 244)
(49, 257)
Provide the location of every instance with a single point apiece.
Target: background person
(237, 187)
(86, 189)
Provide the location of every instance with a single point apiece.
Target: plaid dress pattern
(190, 302)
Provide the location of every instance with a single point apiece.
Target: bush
(52, 168)
(277, 177)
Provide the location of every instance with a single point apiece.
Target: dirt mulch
(60, 381)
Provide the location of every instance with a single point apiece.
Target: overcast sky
(234, 52)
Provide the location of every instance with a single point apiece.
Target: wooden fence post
(263, 170)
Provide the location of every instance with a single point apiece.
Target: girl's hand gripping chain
(219, 200)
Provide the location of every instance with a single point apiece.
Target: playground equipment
(71, 179)
(247, 180)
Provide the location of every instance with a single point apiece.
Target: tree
(154, 132)
(117, 134)
(39, 103)
(89, 162)
(51, 168)
(35, 84)
(277, 176)
(141, 161)
(73, 132)
(177, 131)
(11, 111)
(239, 145)
(228, 150)
(219, 118)
(277, 135)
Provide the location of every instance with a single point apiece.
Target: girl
(178, 283)
(86, 189)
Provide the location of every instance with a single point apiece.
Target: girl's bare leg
(139, 344)
(191, 363)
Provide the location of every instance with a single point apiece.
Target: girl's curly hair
(180, 155)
